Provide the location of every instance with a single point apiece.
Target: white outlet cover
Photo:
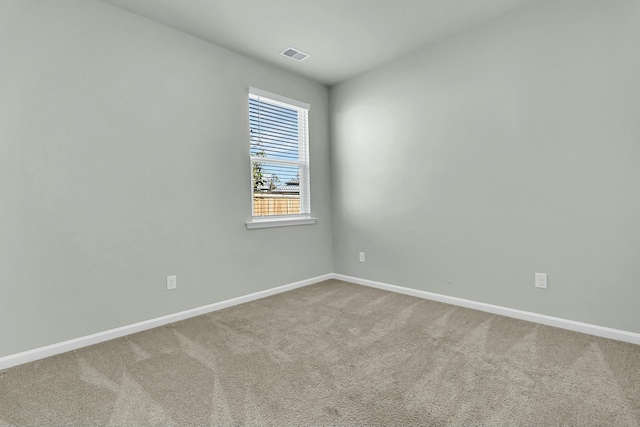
(361, 256)
(541, 280)
(172, 282)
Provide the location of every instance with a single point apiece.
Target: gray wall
(510, 149)
(124, 159)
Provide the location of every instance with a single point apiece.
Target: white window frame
(303, 148)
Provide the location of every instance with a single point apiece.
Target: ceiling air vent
(294, 54)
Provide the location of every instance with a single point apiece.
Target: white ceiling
(343, 37)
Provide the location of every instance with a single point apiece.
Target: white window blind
(279, 148)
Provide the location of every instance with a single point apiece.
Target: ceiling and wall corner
(344, 38)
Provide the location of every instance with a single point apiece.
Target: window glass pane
(276, 189)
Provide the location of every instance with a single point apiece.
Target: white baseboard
(586, 328)
(76, 343)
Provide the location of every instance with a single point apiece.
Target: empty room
(319, 213)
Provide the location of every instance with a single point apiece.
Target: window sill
(279, 222)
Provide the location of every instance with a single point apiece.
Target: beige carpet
(334, 354)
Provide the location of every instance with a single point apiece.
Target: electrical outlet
(541, 280)
(172, 282)
(361, 256)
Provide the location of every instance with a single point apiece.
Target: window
(279, 148)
